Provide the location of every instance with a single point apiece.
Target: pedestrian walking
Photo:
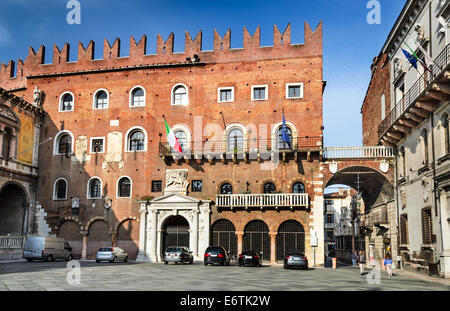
(354, 258)
(361, 261)
(388, 264)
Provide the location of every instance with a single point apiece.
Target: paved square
(24, 276)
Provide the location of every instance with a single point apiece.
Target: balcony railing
(276, 200)
(375, 152)
(241, 146)
(419, 87)
(14, 241)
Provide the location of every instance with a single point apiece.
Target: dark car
(250, 258)
(295, 259)
(178, 254)
(217, 255)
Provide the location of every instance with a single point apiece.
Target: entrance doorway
(175, 232)
(13, 202)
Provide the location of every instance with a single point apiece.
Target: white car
(111, 254)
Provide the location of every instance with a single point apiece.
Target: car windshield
(173, 249)
(105, 249)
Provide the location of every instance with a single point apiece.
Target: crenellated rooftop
(14, 77)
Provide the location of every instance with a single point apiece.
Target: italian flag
(173, 141)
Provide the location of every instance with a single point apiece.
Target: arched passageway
(13, 210)
(291, 236)
(256, 238)
(223, 233)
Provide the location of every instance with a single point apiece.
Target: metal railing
(418, 88)
(367, 152)
(263, 200)
(245, 146)
(12, 241)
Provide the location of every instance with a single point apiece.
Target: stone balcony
(273, 200)
(419, 101)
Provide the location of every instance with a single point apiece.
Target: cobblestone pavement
(39, 276)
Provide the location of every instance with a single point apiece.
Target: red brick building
(102, 177)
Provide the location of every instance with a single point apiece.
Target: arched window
(226, 188)
(235, 141)
(137, 97)
(445, 123)
(60, 189)
(182, 139)
(425, 146)
(7, 139)
(64, 144)
(179, 95)
(136, 141)
(66, 102)
(124, 188)
(101, 100)
(281, 143)
(298, 187)
(269, 187)
(95, 189)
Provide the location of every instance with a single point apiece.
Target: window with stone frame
(427, 229)
(425, 147)
(197, 185)
(156, 185)
(101, 100)
(60, 190)
(124, 188)
(404, 238)
(445, 124)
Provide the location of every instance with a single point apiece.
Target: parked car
(111, 254)
(178, 254)
(47, 248)
(217, 255)
(295, 259)
(250, 258)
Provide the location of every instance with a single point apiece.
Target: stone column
(273, 247)
(195, 232)
(114, 239)
(239, 235)
(142, 232)
(84, 234)
(152, 233)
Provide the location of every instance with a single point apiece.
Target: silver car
(178, 254)
(111, 254)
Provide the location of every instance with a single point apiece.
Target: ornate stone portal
(174, 202)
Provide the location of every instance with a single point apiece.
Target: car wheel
(205, 264)
(69, 258)
(97, 261)
(259, 265)
(50, 258)
(29, 260)
(166, 263)
(285, 266)
(126, 259)
(114, 260)
(191, 261)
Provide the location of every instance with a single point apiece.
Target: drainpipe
(436, 196)
(397, 224)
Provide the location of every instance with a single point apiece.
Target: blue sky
(350, 43)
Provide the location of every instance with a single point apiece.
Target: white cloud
(5, 36)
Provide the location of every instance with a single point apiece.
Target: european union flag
(284, 132)
(411, 58)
